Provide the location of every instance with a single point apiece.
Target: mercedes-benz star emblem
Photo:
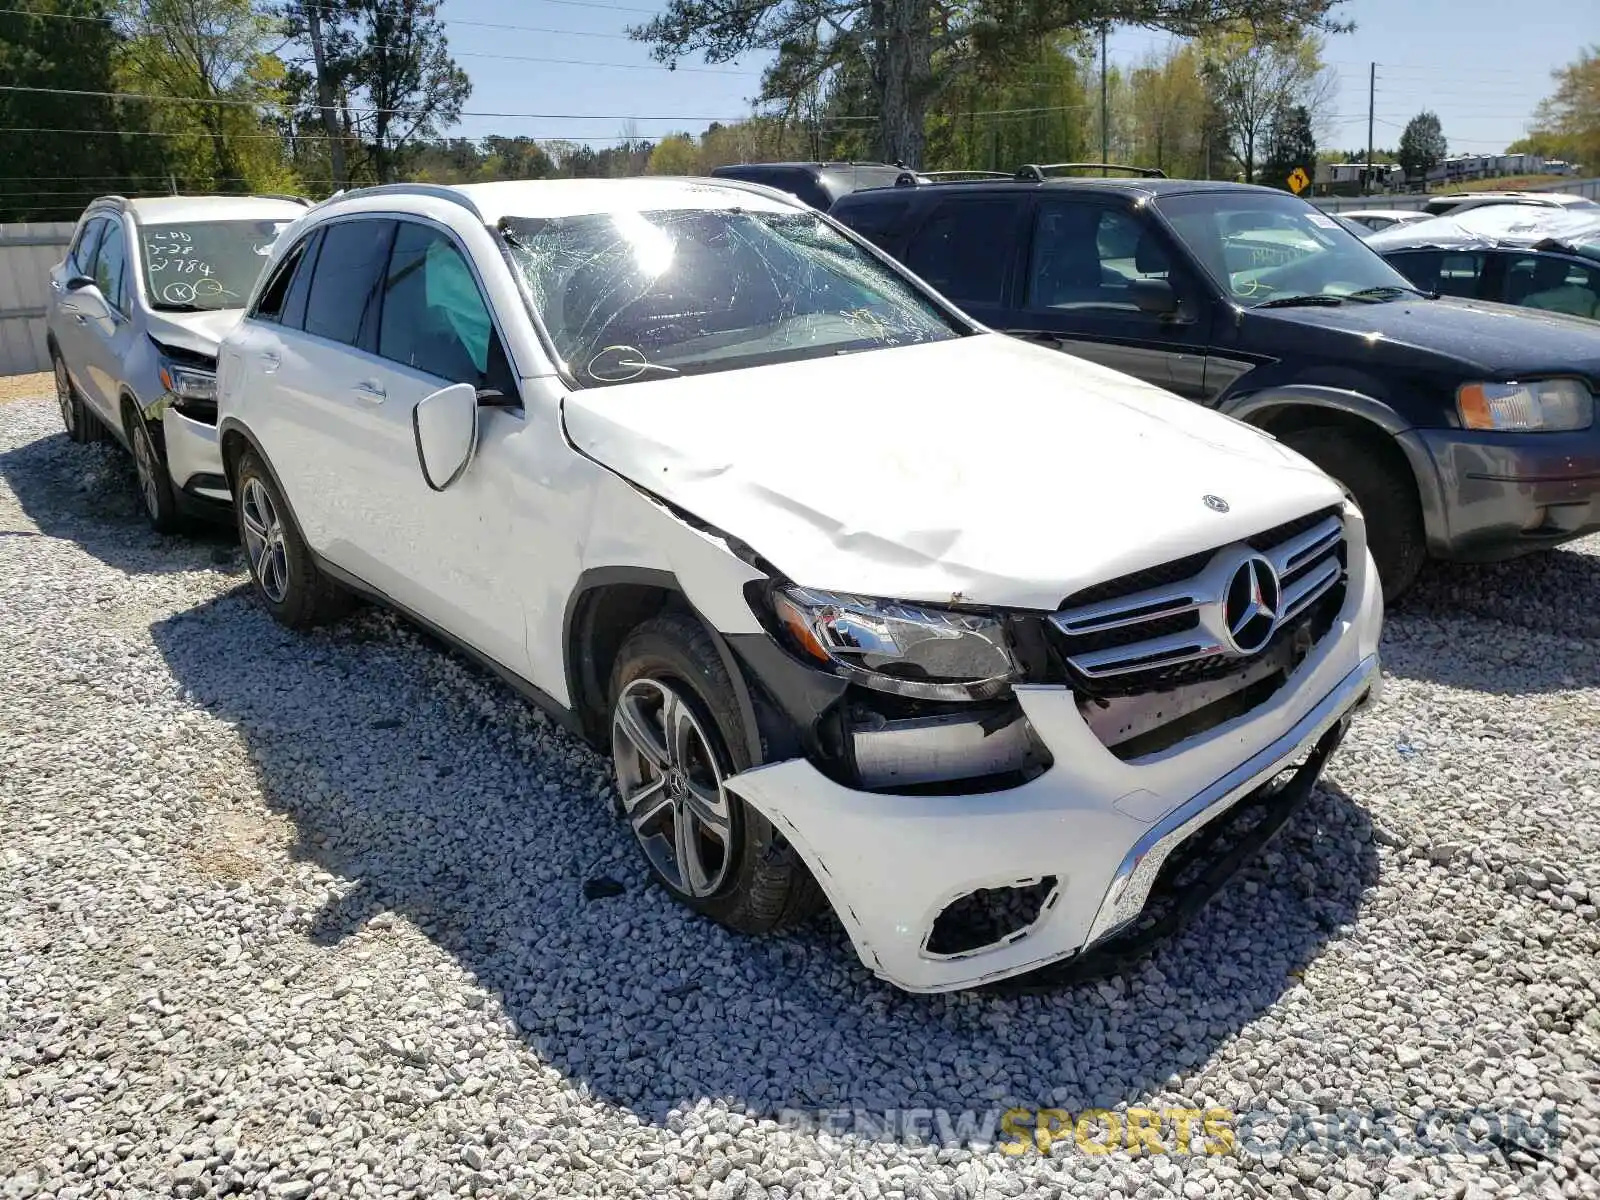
(1215, 503)
(1250, 605)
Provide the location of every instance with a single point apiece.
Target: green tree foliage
(59, 152)
(213, 59)
(1254, 75)
(368, 81)
(914, 54)
(675, 154)
(1569, 119)
(1290, 144)
(1422, 145)
(1171, 114)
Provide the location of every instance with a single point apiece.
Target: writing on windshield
(203, 265)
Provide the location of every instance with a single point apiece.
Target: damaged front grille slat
(1175, 639)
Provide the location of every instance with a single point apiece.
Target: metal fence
(1415, 200)
(27, 252)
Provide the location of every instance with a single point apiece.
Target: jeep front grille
(1160, 628)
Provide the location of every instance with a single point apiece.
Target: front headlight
(189, 383)
(1540, 406)
(909, 650)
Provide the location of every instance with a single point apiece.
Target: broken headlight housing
(911, 650)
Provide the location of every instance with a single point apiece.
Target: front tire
(1385, 496)
(677, 737)
(156, 493)
(287, 579)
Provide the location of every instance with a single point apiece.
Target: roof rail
(436, 190)
(918, 178)
(293, 199)
(1036, 172)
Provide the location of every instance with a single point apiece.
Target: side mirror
(445, 425)
(87, 302)
(78, 282)
(1155, 296)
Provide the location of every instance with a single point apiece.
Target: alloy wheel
(672, 787)
(69, 410)
(263, 540)
(144, 462)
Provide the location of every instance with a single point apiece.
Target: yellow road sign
(1299, 181)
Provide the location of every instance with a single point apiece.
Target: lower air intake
(990, 917)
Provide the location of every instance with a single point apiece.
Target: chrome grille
(1159, 629)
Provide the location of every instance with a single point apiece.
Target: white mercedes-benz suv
(871, 606)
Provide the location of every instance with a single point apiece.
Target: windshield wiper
(1388, 291)
(1302, 301)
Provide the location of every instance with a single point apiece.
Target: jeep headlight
(1538, 406)
(910, 650)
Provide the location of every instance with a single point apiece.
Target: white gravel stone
(291, 916)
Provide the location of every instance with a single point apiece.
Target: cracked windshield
(629, 296)
(1271, 251)
(197, 266)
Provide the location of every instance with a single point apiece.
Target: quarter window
(964, 248)
(434, 317)
(342, 303)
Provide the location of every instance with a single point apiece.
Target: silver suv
(137, 309)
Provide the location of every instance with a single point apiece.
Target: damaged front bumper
(1078, 847)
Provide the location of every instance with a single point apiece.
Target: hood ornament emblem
(1215, 503)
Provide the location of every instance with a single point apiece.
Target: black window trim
(377, 316)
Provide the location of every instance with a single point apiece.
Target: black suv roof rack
(1038, 172)
(909, 178)
(290, 196)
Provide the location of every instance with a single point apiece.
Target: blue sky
(1482, 67)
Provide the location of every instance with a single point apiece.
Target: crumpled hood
(981, 467)
(200, 332)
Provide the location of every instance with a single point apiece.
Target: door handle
(55, 285)
(79, 317)
(370, 389)
(270, 361)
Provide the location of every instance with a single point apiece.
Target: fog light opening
(990, 917)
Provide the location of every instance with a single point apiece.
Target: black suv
(1463, 429)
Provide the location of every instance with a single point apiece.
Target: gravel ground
(305, 916)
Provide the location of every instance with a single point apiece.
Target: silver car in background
(136, 312)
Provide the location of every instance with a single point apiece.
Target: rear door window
(342, 305)
(270, 305)
(965, 247)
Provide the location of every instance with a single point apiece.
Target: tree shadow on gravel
(1526, 626)
(87, 495)
(448, 802)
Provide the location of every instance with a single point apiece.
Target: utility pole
(1105, 111)
(325, 97)
(1372, 92)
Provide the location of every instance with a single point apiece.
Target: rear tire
(1386, 498)
(677, 736)
(82, 426)
(287, 579)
